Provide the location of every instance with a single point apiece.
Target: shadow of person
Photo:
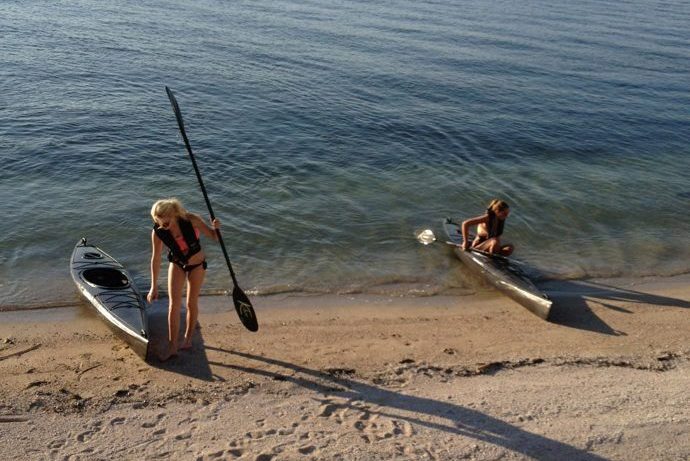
(571, 307)
(192, 362)
(450, 418)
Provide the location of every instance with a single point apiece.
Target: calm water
(329, 132)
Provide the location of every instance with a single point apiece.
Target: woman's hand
(215, 224)
(465, 245)
(153, 294)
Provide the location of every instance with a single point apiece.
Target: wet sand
(363, 377)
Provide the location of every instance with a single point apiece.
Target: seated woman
(489, 230)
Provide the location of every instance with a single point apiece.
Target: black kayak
(106, 284)
(501, 272)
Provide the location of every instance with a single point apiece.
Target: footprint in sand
(184, 436)
(284, 432)
(403, 428)
(365, 420)
(57, 443)
(310, 436)
(236, 452)
(84, 436)
(334, 410)
(372, 429)
(256, 435)
(89, 433)
(238, 447)
(151, 424)
(308, 450)
(326, 411)
(117, 421)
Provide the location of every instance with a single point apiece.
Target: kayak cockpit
(105, 277)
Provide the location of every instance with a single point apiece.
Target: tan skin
(176, 281)
(492, 245)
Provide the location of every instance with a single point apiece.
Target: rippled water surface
(329, 132)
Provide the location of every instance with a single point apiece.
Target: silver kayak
(501, 272)
(106, 284)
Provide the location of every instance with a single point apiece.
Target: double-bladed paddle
(242, 304)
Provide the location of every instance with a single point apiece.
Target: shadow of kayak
(571, 307)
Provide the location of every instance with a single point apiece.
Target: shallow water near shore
(328, 135)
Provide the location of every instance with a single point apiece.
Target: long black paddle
(242, 304)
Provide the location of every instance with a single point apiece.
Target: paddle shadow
(612, 293)
(193, 363)
(571, 309)
(460, 420)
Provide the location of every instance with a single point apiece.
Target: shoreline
(484, 289)
(363, 377)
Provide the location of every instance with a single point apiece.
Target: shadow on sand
(569, 302)
(192, 363)
(459, 420)
(571, 309)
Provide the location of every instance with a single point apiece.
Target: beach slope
(363, 377)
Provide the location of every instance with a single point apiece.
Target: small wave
(36, 306)
(398, 286)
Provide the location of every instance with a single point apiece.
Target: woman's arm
(156, 250)
(207, 230)
(466, 224)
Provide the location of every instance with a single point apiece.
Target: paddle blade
(426, 237)
(244, 309)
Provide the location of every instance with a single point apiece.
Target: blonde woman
(489, 230)
(179, 230)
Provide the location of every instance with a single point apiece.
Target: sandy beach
(362, 377)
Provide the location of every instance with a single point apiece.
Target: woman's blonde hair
(497, 206)
(168, 207)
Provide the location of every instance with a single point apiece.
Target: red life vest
(176, 253)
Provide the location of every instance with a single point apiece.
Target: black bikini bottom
(190, 267)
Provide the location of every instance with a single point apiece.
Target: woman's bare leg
(195, 280)
(175, 288)
(488, 246)
(493, 246)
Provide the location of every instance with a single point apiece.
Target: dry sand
(363, 377)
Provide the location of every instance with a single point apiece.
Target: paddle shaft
(180, 124)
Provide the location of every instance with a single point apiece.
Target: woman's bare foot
(170, 352)
(186, 345)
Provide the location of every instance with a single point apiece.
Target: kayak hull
(503, 274)
(107, 285)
